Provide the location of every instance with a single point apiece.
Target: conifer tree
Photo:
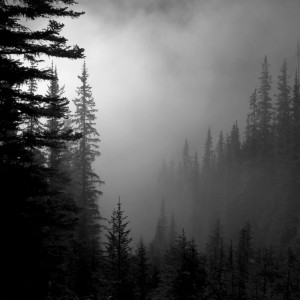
(186, 161)
(159, 244)
(172, 231)
(244, 255)
(85, 153)
(220, 151)
(251, 128)
(208, 153)
(18, 165)
(215, 252)
(283, 113)
(86, 188)
(142, 271)
(264, 110)
(118, 255)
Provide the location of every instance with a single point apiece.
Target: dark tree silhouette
(117, 257)
(18, 165)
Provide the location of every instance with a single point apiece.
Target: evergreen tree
(172, 231)
(118, 255)
(86, 188)
(244, 255)
(58, 107)
(86, 152)
(186, 161)
(264, 111)
(220, 152)
(235, 145)
(283, 113)
(208, 153)
(18, 164)
(215, 253)
(159, 244)
(251, 128)
(142, 271)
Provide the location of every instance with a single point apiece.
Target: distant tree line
(255, 177)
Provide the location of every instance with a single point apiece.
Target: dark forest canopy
(244, 194)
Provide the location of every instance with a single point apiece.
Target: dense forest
(244, 238)
(252, 176)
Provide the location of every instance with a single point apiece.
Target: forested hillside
(251, 174)
(241, 197)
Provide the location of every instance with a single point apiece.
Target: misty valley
(218, 220)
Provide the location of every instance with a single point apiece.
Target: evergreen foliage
(117, 256)
(44, 223)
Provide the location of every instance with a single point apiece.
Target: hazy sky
(166, 70)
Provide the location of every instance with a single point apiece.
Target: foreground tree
(24, 180)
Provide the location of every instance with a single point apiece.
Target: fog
(166, 70)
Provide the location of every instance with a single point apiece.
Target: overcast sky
(166, 70)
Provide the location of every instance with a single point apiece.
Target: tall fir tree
(251, 128)
(283, 132)
(208, 153)
(264, 111)
(18, 165)
(215, 252)
(86, 187)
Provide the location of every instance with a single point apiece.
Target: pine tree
(24, 180)
(215, 253)
(283, 113)
(118, 255)
(208, 153)
(142, 271)
(86, 188)
(235, 145)
(251, 128)
(86, 152)
(172, 231)
(264, 111)
(159, 244)
(244, 255)
(220, 152)
(58, 107)
(186, 161)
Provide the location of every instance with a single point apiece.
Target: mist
(164, 71)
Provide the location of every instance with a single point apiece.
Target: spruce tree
(208, 153)
(159, 244)
(24, 179)
(117, 257)
(142, 271)
(244, 255)
(186, 161)
(251, 128)
(215, 253)
(264, 111)
(85, 153)
(86, 188)
(283, 132)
